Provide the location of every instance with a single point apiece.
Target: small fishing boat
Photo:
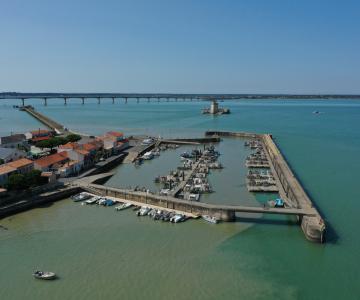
(101, 201)
(194, 197)
(92, 200)
(210, 219)
(147, 141)
(177, 218)
(143, 211)
(44, 275)
(148, 155)
(186, 155)
(81, 197)
(108, 202)
(123, 206)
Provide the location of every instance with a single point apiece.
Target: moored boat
(210, 219)
(81, 197)
(44, 275)
(143, 211)
(92, 200)
(148, 155)
(123, 206)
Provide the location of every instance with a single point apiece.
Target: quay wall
(222, 212)
(312, 226)
(192, 141)
(196, 208)
(233, 134)
(103, 167)
(38, 200)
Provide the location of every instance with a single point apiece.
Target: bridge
(157, 97)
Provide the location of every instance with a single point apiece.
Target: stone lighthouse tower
(214, 108)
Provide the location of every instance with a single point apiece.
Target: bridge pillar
(158, 99)
(148, 99)
(126, 100)
(82, 100)
(113, 100)
(65, 101)
(23, 101)
(98, 100)
(45, 101)
(137, 100)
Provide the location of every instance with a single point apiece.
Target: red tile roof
(23, 162)
(5, 169)
(82, 151)
(40, 131)
(89, 147)
(69, 146)
(115, 133)
(52, 159)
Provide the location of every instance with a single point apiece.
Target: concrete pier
(45, 120)
(224, 213)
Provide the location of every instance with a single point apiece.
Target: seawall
(38, 200)
(290, 188)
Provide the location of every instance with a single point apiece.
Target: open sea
(102, 254)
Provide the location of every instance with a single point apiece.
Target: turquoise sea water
(102, 254)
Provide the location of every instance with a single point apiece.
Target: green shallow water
(100, 253)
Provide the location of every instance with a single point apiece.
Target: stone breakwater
(289, 186)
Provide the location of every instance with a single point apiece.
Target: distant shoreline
(204, 97)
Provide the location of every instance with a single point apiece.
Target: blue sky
(180, 46)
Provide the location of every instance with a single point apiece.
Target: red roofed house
(116, 140)
(39, 135)
(22, 165)
(68, 146)
(51, 162)
(5, 172)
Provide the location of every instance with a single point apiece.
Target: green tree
(52, 142)
(73, 138)
(16, 182)
(1, 161)
(33, 178)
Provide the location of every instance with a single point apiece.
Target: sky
(169, 46)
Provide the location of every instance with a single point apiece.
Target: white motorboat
(147, 141)
(123, 206)
(148, 155)
(44, 275)
(92, 200)
(143, 211)
(210, 219)
(194, 197)
(165, 192)
(177, 218)
(81, 197)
